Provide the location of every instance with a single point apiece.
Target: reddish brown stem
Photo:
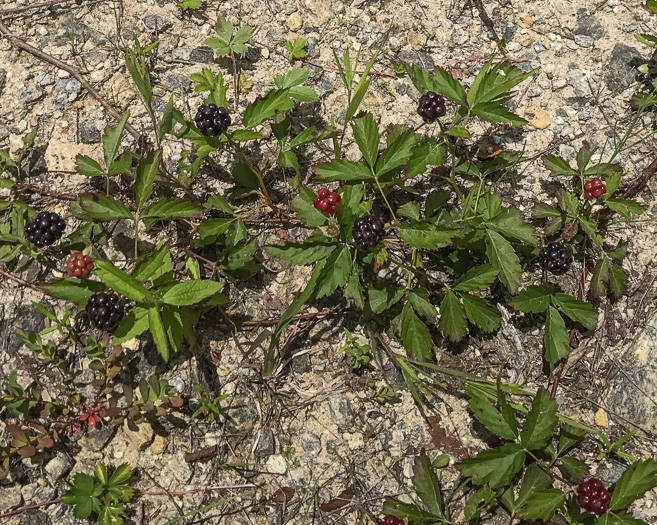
(23, 282)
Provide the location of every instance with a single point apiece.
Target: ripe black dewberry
(391, 520)
(327, 201)
(45, 229)
(594, 188)
(79, 265)
(105, 311)
(555, 258)
(591, 495)
(368, 232)
(431, 107)
(212, 120)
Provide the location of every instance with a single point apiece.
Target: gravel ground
(315, 428)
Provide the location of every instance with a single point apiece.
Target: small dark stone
(89, 133)
(417, 58)
(266, 444)
(177, 83)
(29, 94)
(155, 23)
(588, 25)
(621, 69)
(202, 55)
(3, 79)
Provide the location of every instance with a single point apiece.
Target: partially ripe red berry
(391, 520)
(323, 205)
(333, 198)
(316, 202)
(588, 186)
(598, 191)
(323, 193)
(79, 265)
(589, 195)
(596, 181)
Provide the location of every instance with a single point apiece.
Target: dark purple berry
(391, 520)
(593, 496)
(105, 311)
(431, 106)
(211, 120)
(555, 258)
(45, 229)
(368, 232)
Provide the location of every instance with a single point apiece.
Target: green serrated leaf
(535, 479)
(489, 416)
(158, 332)
(543, 504)
(88, 166)
(120, 282)
(481, 313)
(420, 301)
(344, 170)
(425, 234)
(336, 272)
(265, 107)
(133, 324)
(495, 467)
(366, 133)
(557, 165)
(637, 479)
(146, 171)
(384, 296)
(103, 208)
(191, 292)
(172, 209)
(509, 223)
(557, 343)
(475, 279)
(302, 254)
(577, 469)
(502, 257)
(534, 299)
(540, 422)
(496, 112)
(415, 335)
(426, 484)
(112, 139)
(626, 207)
(409, 511)
(73, 290)
(578, 311)
(452, 317)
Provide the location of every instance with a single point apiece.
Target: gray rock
(340, 410)
(34, 517)
(30, 93)
(70, 27)
(59, 466)
(97, 439)
(202, 55)
(60, 101)
(240, 414)
(584, 41)
(3, 79)
(631, 392)
(89, 133)
(611, 470)
(311, 443)
(155, 23)
(182, 53)
(177, 83)
(323, 87)
(43, 79)
(4, 132)
(567, 152)
(578, 80)
(622, 65)
(159, 105)
(588, 25)
(301, 364)
(417, 58)
(10, 497)
(534, 92)
(266, 444)
(27, 318)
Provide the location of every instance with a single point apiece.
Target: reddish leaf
(27, 451)
(343, 499)
(176, 402)
(283, 495)
(46, 442)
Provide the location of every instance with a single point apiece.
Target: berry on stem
(45, 229)
(594, 188)
(368, 232)
(327, 201)
(79, 265)
(391, 520)
(212, 120)
(593, 496)
(105, 310)
(555, 258)
(431, 106)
